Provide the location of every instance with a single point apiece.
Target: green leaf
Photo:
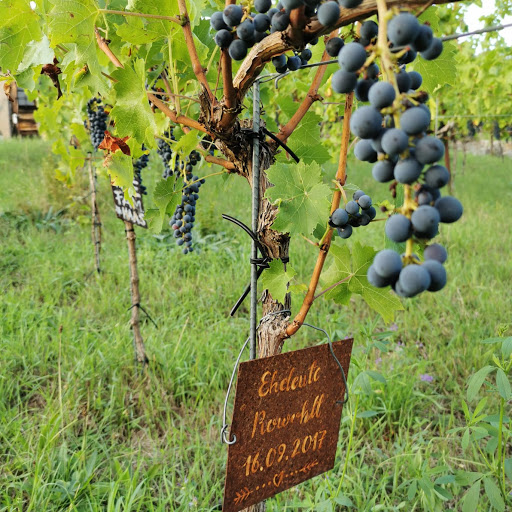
(120, 168)
(19, 26)
(508, 468)
(470, 501)
(352, 267)
(36, 53)
(166, 196)
(306, 141)
(506, 348)
(155, 220)
(503, 385)
(479, 408)
(367, 414)
(362, 384)
(132, 113)
(411, 491)
(465, 439)
(376, 376)
(275, 279)
(440, 71)
(494, 494)
(301, 196)
(476, 381)
(73, 21)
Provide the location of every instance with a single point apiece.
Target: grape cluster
(165, 152)
(393, 130)
(138, 165)
(182, 222)
(282, 63)
(405, 34)
(97, 121)
(358, 212)
(496, 130)
(237, 29)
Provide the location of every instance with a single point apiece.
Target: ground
(82, 428)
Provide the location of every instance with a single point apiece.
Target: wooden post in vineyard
(95, 214)
(138, 342)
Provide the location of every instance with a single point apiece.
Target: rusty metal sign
(124, 210)
(286, 421)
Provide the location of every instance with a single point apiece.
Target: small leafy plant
(489, 434)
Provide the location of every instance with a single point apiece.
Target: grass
(81, 429)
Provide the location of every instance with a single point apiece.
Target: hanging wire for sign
(225, 425)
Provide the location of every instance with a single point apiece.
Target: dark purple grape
(232, 15)
(425, 221)
(403, 29)
(339, 218)
(437, 176)
(398, 228)
(435, 252)
(262, 5)
(237, 49)
(415, 120)
(413, 280)
(388, 264)
(383, 171)
(450, 209)
(345, 232)
(328, 13)
(375, 280)
(437, 275)
(343, 81)
(429, 150)
(416, 80)
(261, 22)
(280, 21)
(434, 50)
(223, 38)
(366, 122)
(381, 95)
(408, 170)
(394, 141)
(364, 151)
(217, 21)
(352, 57)
(333, 46)
(423, 39)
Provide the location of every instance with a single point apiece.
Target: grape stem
(386, 58)
(325, 243)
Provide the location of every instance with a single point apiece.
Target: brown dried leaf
(53, 71)
(113, 144)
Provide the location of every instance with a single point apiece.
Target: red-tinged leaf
(113, 144)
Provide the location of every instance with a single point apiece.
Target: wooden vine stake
(138, 342)
(95, 213)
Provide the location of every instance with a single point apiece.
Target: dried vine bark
(138, 342)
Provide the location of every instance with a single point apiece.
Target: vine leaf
(120, 168)
(73, 21)
(439, 72)
(132, 113)
(301, 196)
(19, 25)
(306, 140)
(166, 197)
(275, 279)
(353, 267)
